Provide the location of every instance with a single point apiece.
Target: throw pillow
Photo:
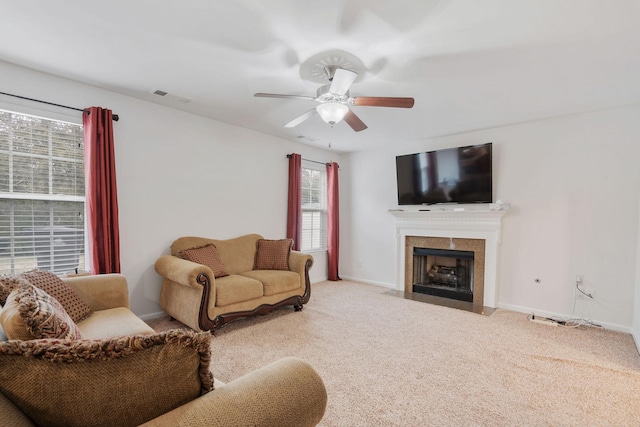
(77, 308)
(122, 381)
(3, 336)
(206, 255)
(272, 254)
(7, 284)
(30, 313)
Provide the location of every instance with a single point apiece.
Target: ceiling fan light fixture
(332, 112)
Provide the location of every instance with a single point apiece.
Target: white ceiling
(469, 64)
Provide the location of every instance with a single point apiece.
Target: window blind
(314, 208)
(42, 200)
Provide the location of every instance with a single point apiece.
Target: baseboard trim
(528, 310)
(370, 282)
(152, 316)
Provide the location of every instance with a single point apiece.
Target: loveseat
(208, 283)
(120, 372)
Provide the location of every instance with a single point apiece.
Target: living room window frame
(12, 196)
(316, 213)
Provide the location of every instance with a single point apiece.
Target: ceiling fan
(334, 100)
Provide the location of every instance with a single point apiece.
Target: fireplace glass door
(442, 272)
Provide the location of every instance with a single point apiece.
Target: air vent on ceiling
(171, 97)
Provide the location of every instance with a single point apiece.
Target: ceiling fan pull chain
(330, 136)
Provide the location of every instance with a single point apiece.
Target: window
(314, 207)
(42, 200)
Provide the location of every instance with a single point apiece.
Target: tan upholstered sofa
(113, 377)
(107, 296)
(191, 294)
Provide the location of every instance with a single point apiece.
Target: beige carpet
(388, 361)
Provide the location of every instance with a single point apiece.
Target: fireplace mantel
(464, 224)
(476, 216)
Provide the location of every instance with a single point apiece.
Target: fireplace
(476, 231)
(445, 273)
(446, 254)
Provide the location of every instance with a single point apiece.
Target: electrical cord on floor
(586, 322)
(572, 322)
(575, 322)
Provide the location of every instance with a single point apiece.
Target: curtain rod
(312, 161)
(115, 116)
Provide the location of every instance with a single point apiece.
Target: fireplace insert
(444, 273)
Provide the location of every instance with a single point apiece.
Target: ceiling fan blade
(380, 101)
(277, 95)
(354, 121)
(300, 119)
(342, 80)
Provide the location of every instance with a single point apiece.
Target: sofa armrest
(287, 392)
(101, 291)
(182, 271)
(298, 263)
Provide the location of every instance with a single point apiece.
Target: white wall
(178, 174)
(573, 183)
(635, 328)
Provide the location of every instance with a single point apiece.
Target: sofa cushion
(31, 313)
(206, 255)
(113, 322)
(272, 254)
(123, 381)
(75, 306)
(275, 281)
(237, 288)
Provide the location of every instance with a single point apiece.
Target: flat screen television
(452, 175)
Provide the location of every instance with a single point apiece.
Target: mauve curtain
(294, 207)
(333, 221)
(101, 194)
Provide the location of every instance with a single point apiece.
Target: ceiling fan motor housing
(324, 94)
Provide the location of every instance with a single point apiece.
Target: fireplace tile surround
(475, 230)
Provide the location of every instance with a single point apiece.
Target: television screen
(452, 175)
